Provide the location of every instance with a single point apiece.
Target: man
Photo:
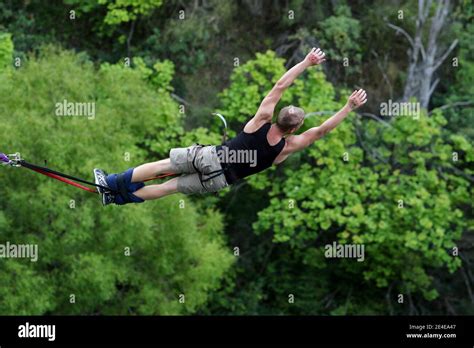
(260, 145)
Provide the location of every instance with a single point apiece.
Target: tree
(123, 260)
(425, 58)
(393, 187)
(6, 50)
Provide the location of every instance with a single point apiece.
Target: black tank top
(259, 154)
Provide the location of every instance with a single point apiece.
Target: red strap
(69, 182)
(160, 176)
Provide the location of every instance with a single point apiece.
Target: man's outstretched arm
(299, 142)
(267, 107)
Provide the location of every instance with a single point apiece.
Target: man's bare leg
(150, 170)
(132, 182)
(157, 191)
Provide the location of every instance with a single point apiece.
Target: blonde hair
(289, 118)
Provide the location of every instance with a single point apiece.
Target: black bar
(240, 330)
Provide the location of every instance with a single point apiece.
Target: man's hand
(315, 57)
(357, 98)
(267, 107)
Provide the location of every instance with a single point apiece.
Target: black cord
(34, 166)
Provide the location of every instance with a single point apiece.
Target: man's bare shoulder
(254, 125)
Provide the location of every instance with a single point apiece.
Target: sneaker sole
(97, 181)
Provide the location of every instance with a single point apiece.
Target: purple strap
(4, 158)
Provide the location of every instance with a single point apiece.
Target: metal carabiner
(12, 160)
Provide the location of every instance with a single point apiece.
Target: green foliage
(249, 82)
(159, 76)
(357, 201)
(176, 251)
(6, 50)
(83, 248)
(19, 293)
(354, 201)
(340, 35)
(461, 88)
(118, 11)
(186, 40)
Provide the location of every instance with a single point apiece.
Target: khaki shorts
(206, 161)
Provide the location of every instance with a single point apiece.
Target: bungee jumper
(200, 169)
(261, 144)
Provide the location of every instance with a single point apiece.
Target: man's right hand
(315, 57)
